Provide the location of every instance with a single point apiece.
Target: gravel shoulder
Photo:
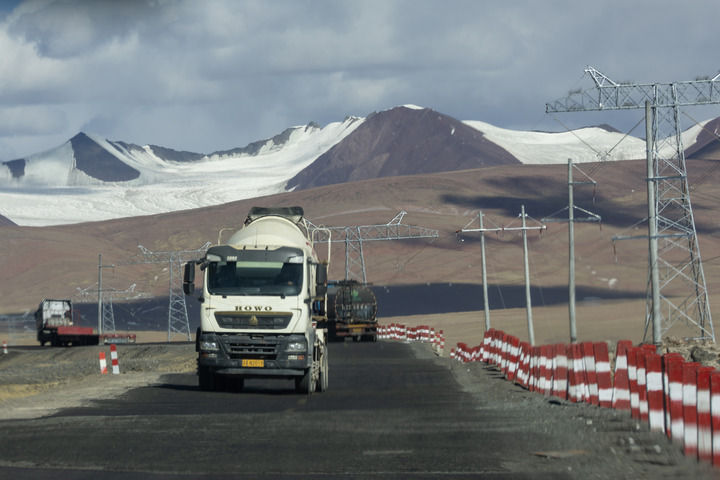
(40, 381)
(587, 441)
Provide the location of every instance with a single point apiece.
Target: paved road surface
(392, 411)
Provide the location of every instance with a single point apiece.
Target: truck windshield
(255, 272)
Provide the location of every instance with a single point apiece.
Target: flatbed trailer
(54, 323)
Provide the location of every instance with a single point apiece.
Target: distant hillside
(402, 141)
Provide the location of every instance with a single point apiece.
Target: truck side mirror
(189, 278)
(321, 279)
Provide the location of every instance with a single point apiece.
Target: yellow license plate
(248, 362)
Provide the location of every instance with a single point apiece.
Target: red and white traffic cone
(103, 364)
(5, 351)
(114, 360)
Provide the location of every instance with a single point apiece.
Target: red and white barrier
(103, 364)
(655, 400)
(690, 408)
(591, 389)
(621, 386)
(577, 384)
(527, 349)
(674, 367)
(603, 373)
(560, 371)
(114, 360)
(672, 385)
(632, 380)
(715, 413)
(514, 357)
(640, 368)
(704, 417)
(677, 397)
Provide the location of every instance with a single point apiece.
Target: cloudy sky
(212, 75)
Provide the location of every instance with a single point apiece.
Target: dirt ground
(39, 381)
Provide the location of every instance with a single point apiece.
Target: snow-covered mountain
(90, 178)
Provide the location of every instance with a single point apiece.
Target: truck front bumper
(255, 355)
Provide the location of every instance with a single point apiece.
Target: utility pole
(591, 217)
(680, 293)
(526, 265)
(653, 307)
(482, 230)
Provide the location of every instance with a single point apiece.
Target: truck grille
(250, 348)
(246, 321)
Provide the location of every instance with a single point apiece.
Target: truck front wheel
(206, 379)
(305, 384)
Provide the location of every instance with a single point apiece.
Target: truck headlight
(208, 345)
(296, 346)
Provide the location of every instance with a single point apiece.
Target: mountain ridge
(90, 178)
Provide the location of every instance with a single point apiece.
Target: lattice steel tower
(354, 236)
(178, 321)
(676, 285)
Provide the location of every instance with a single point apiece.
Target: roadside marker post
(103, 364)
(5, 350)
(114, 360)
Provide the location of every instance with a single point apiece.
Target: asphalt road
(392, 411)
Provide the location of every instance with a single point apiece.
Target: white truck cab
(262, 295)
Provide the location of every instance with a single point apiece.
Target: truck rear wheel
(206, 379)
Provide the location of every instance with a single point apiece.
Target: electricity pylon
(177, 310)
(676, 286)
(106, 295)
(354, 236)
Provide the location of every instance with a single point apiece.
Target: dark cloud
(204, 76)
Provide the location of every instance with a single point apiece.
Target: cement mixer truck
(263, 293)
